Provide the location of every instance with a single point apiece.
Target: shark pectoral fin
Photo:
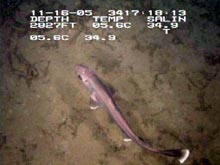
(94, 102)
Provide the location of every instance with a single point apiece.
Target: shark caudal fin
(185, 155)
(181, 154)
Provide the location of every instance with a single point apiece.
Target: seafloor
(167, 88)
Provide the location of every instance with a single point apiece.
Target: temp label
(163, 20)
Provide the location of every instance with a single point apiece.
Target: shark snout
(83, 72)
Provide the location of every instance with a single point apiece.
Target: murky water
(167, 88)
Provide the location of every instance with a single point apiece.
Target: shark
(103, 96)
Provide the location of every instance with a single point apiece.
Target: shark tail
(181, 154)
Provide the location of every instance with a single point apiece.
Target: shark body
(100, 95)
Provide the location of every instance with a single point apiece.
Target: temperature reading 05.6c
(44, 37)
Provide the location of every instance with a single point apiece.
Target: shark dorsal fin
(109, 88)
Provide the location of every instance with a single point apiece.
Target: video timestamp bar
(112, 19)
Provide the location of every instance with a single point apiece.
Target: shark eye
(79, 77)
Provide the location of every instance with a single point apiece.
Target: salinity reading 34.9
(113, 19)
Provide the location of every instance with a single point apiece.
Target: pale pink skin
(104, 98)
(99, 94)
